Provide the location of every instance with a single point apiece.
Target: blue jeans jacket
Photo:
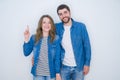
(53, 54)
(80, 42)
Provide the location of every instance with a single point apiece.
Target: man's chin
(65, 21)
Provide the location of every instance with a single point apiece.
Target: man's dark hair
(62, 6)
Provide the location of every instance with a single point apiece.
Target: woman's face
(46, 24)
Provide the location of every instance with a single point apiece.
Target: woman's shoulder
(57, 39)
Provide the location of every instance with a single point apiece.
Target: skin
(46, 26)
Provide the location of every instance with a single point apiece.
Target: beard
(66, 21)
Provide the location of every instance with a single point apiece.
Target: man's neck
(69, 23)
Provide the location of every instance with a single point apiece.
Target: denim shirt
(80, 43)
(53, 54)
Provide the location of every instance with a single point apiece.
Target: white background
(102, 18)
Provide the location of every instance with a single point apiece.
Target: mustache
(65, 17)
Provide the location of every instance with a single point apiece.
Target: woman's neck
(45, 34)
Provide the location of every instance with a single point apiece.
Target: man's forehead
(62, 10)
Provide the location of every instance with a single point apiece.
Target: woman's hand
(26, 34)
(58, 77)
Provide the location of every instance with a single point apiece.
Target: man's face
(64, 15)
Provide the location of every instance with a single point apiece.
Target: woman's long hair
(39, 32)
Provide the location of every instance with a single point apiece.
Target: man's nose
(63, 15)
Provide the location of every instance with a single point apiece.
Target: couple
(61, 51)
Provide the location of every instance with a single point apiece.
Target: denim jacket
(80, 43)
(53, 54)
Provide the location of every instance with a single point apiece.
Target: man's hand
(32, 60)
(86, 70)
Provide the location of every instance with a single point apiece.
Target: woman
(46, 50)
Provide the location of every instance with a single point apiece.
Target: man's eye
(65, 12)
(60, 14)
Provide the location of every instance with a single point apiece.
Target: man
(75, 46)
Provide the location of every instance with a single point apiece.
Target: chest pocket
(53, 50)
(36, 49)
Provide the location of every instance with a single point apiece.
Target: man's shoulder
(78, 23)
(57, 24)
